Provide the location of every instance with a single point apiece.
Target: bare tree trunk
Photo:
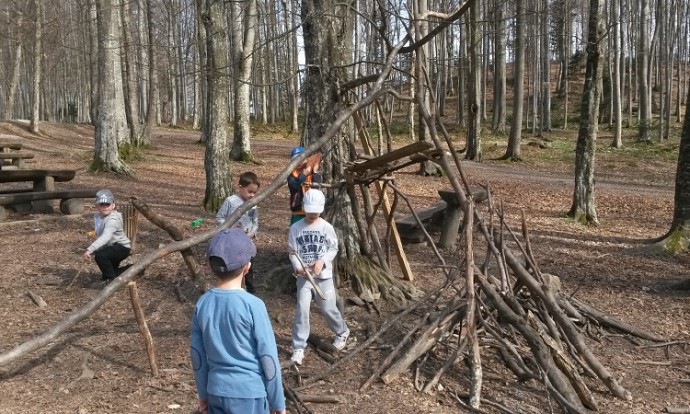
(545, 117)
(583, 209)
(130, 73)
(111, 124)
(498, 122)
(513, 150)
(678, 237)
(462, 70)
(474, 148)
(201, 89)
(616, 81)
(244, 18)
(216, 160)
(38, 62)
(14, 83)
(93, 52)
(291, 64)
(142, 50)
(421, 65)
(644, 101)
(151, 106)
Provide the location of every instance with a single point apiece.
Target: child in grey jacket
(111, 246)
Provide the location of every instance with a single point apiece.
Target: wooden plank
(399, 250)
(12, 176)
(424, 215)
(390, 156)
(24, 197)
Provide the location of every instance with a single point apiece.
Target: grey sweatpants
(329, 309)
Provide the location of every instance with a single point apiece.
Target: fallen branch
(610, 321)
(37, 299)
(330, 399)
(176, 234)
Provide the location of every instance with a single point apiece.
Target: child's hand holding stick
(308, 274)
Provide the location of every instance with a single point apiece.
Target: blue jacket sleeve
(199, 362)
(267, 350)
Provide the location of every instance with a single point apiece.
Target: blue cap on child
(233, 247)
(296, 151)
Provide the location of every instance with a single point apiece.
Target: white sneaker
(341, 340)
(297, 356)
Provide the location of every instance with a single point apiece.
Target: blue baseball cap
(233, 247)
(296, 151)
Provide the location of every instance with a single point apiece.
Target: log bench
(16, 159)
(70, 200)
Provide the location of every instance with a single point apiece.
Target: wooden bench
(431, 216)
(70, 200)
(16, 159)
(447, 215)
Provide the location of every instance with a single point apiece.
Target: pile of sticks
(504, 304)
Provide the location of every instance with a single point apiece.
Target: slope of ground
(100, 366)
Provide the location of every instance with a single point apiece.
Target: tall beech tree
(678, 237)
(111, 124)
(217, 157)
(583, 209)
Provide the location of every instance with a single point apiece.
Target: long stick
(143, 327)
(309, 275)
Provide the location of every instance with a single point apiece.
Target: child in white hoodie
(316, 243)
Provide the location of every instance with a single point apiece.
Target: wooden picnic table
(43, 182)
(6, 146)
(15, 158)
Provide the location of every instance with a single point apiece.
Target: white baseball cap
(314, 201)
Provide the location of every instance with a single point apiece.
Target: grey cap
(233, 247)
(104, 196)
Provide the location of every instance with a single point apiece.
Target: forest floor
(100, 366)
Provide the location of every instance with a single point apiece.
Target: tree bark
(513, 150)
(244, 31)
(130, 74)
(498, 121)
(217, 157)
(111, 125)
(643, 87)
(38, 62)
(474, 139)
(678, 237)
(583, 209)
(14, 83)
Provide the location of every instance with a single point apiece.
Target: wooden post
(451, 219)
(400, 252)
(45, 184)
(143, 328)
